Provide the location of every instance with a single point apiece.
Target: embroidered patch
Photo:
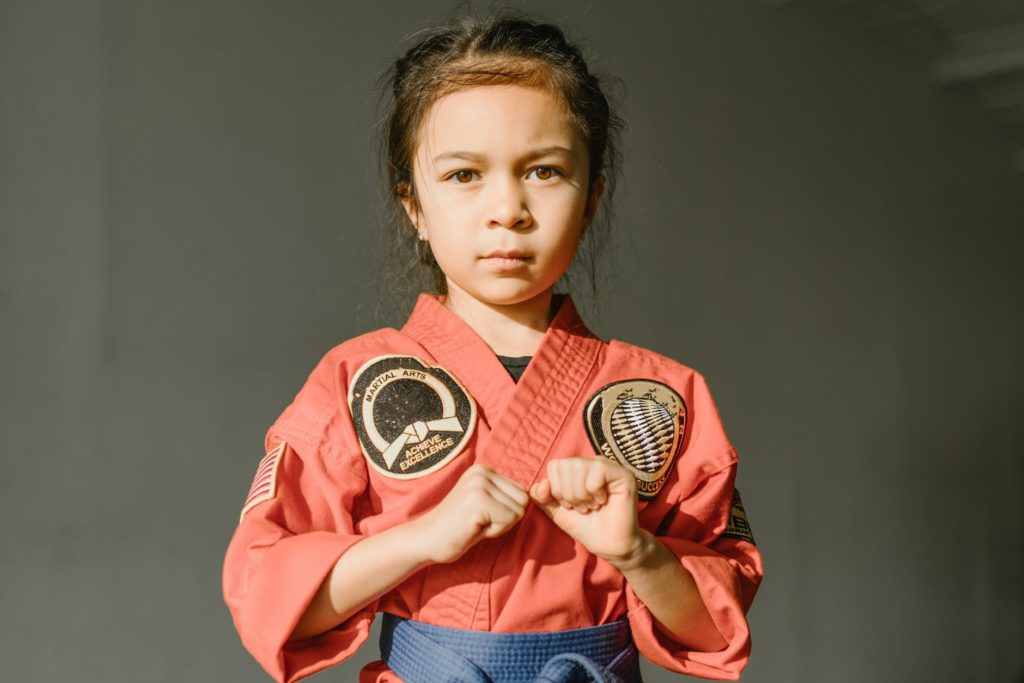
(639, 423)
(264, 484)
(411, 418)
(738, 526)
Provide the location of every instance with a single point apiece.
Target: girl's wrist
(641, 550)
(412, 536)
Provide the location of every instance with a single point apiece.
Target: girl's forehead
(497, 116)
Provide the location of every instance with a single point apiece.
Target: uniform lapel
(524, 418)
(522, 421)
(459, 349)
(539, 406)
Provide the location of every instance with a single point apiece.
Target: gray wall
(186, 207)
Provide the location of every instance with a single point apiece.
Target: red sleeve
(707, 530)
(295, 524)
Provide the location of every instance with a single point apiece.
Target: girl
(511, 524)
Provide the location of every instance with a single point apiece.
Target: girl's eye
(462, 177)
(546, 172)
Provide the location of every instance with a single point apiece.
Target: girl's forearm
(380, 562)
(671, 595)
(364, 572)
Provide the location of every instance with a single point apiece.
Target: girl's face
(500, 170)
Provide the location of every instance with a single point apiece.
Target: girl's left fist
(594, 500)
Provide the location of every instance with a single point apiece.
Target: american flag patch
(264, 484)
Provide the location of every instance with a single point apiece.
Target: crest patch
(411, 418)
(738, 526)
(264, 483)
(639, 423)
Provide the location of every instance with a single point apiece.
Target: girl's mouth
(507, 262)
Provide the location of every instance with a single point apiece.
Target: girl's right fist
(482, 504)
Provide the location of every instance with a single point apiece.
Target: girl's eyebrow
(472, 156)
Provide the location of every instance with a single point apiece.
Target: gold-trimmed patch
(264, 483)
(411, 418)
(738, 526)
(639, 423)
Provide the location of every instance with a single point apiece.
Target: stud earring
(423, 234)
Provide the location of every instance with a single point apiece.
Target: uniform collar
(456, 346)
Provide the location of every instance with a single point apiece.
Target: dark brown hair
(499, 48)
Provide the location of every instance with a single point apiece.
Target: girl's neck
(512, 330)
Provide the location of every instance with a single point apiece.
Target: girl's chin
(505, 296)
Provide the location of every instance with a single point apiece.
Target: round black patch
(411, 418)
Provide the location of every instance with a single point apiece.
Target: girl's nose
(507, 205)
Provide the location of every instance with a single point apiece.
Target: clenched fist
(594, 500)
(482, 504)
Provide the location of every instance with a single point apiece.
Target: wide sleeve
(704, 525)
(297, 520)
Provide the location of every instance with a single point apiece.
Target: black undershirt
(515, 365)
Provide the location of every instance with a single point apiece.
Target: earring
(423, 234)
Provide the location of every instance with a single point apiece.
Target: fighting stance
(550, 528)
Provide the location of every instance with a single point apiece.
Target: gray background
(187, 206)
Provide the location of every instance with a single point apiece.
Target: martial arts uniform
(388, 421)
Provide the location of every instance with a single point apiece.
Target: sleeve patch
(738, 526)
(264, 484)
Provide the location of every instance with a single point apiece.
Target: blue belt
(425, 653)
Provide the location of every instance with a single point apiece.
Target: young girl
(511, 524)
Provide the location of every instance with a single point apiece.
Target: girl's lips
(508, 254)
(506, 263)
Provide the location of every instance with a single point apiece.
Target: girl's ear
(408, 203)
(596, 190)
